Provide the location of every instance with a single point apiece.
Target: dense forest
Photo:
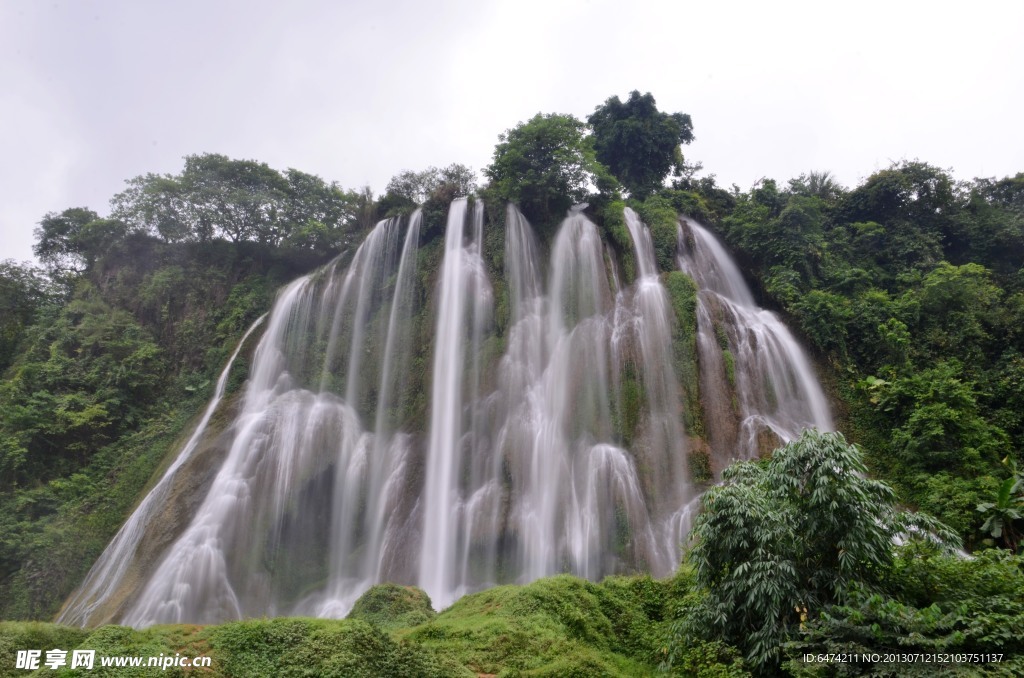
(901, 536)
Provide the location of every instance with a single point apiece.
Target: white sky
(95, 92)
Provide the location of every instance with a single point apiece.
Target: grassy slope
(560, 626)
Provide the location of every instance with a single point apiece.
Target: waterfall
(465, 413)
(770, 392)
(304, 479)
(463, 309)
(101, 582)
(653, 319)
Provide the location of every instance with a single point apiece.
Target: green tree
(418, 187)
(784, 537)
(821, 185)
(24, 292)
(158, 205)
(85, 378)
(960, 312)
(318, 215)
(545, 165)
(824, 317)
(990, 228)
(242, 199)
(639, 144)
(62, 242)
(915, 204)
(937, 423)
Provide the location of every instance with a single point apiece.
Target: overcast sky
(96, 92)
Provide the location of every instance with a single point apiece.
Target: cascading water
(552, 439)
(450, 506)
(575, 492)
(770, 392)
(653, 318)
(101, 582)
(298, 489)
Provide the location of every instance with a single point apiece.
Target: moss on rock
(682, 292)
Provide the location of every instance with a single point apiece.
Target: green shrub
(614, 225)
(699, 462)
(785, 537)
(357, 650)
(663, 221)
(553, 624)
(392, 606)
(927, 603)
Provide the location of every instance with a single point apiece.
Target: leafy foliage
(89, 408)
(900, 285)
(662, 219)
(241, 200)
(392, 606)
(87, 377)
(561, 626)
(928, 602)
(1002, 514)
(69, 242)
(418, 187)
(782, 538)
(682, 292)
(556, 626)
(26, 293)
(546, 165)
(16, 636)
(638, 143)
(308, 647)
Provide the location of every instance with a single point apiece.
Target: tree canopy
(546, 165)
(639, 144)
(910, 284)
(68, 242)
(242, 200)
(24, 292)
(418, 187)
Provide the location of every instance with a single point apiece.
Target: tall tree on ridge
(638, 143)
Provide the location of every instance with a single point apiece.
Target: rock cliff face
(460, 412)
